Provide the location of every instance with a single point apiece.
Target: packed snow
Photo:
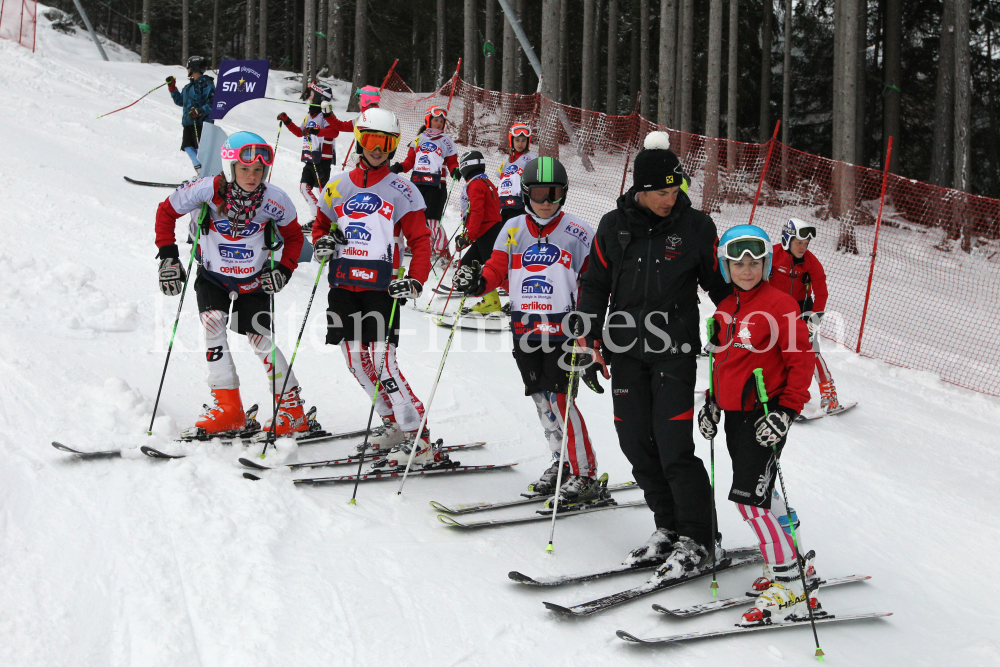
(143, 562)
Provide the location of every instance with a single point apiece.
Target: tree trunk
(548, 142)
(469, 72)
(733, 75)
(595, 60)
(612, 73)
(490, 58)
(564, 51)
(588, 61)
(892, 59)
(334, 40)
(296, 33)
(215, 34)
(678, 65)
(309, 42)
(786, 79)
(845, 121)
(861, 60)
(633, 61)
(668, 53)
(262, 30)
(508, 77)
(944, 100)
(963, 90)
(248, 41)
(520, 62)
(441, 18)
(766, 42)
(146, 18)
(360, 76)
(645, 103)
(713, 98)
(321, 29)
(687, 60)
(185, 31)
(135, 26)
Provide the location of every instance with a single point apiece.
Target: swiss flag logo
(566, 259)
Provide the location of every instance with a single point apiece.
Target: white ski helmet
(377, 128)
(796, 229)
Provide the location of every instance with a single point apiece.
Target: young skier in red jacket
(480, 206)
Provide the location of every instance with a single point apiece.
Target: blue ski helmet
(796, 229)
(245, 148)
(741, 240)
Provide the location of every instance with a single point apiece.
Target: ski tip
(154, 453)
(663, 610)
(439, 507)
(250, 475)
(628, 637)
(559, 609)
(448, 521)
(252, 464)
(514, 575)
(63, 448)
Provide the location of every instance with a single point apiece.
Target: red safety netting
(934, 291)
(18, 19)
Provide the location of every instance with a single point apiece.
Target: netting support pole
(90, 28)
(767, 161)
(628, 146)
(878, 225)
(454, 80)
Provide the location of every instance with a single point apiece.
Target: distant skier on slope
(797, 271)
(235, 271)
(753, 331)
(372, 210)
(318, 152)
(432, 157)
(196, 101)
(480, 207)
(543, 253)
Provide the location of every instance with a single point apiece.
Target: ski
(559, 580)
(106, 454)
(527, 498)
(153, 185)
(486, 324)
(822, 413)
(452, 523)
(154, 453)
(738, 630)
(389, 474)
(615, 599)
(350, 459)
(718, 605)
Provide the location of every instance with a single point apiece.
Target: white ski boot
(428, 455)
(764, 581)
(546, 484)
(784, 600)
(686, 558)
(578, 491)
(655, 550)
(384, 437)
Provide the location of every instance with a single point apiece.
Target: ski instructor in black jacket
(647, 259)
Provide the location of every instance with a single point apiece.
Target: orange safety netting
(934, 295)
(18, 21)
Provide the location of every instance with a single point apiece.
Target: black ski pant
(654, 417)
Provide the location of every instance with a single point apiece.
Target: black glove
(462, 242)
(772, 429)
(455, 173)
(405, 288)
(283, 117)
(171, 81)
(327, 245)
(194, 113)
(396, 168)
(591, 377)
(310, 131)
(272, 280)
(708, 419)
(469, 279)
(171, 275)
(307, 229)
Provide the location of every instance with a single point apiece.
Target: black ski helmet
(544, 171)
(472, 164)
(197, 64)
(323, 93)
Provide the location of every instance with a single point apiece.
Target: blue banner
(239, 81)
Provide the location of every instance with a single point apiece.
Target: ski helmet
(544, 179)
(322, 92)
(518, 130)
(796, 229)
(742, 240)
(197, 64)
(435, 112)
(368, 97)
(472, 164)
(377, 128)
(245, 148)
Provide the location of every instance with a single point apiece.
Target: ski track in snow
(142, 562)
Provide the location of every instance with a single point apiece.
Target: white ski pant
(439, 240)
(776, 545)
(222, 370)
(310, 197)
(395, 398)
(551, 409)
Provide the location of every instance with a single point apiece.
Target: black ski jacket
(649, 268)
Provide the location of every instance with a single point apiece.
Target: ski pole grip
(710, 331)
(758, 375)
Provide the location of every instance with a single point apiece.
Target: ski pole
(427, 409)
(573, 375)
(762, 394)
(443, 274)
(378, 387)
(271, 170)
(177, 318)
(274, 367)
(274, 418)
(710, 330)
(136, 102)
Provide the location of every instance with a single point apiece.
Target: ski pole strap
(758, 375)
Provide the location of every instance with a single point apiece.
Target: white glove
(326, 106)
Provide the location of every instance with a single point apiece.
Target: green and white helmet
(547, 178)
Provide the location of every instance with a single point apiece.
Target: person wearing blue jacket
(196, 101)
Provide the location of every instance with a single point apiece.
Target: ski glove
(708, 419)
(405, 288)
(592, 377)
(283, 117)
(396, 168)
(455, 173)
(772, 429)
(327, 245)
(272, 280)
(813, 321)
(171, 81)
(469, 279)
(462, 242)
(326, 107)
(194, 113)
(171, 275)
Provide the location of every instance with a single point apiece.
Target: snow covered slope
(147, 563)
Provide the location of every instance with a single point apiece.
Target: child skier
(511, 200)
(542, 253)
(432, 157)
(798, 272)
(196, 101)
(240, 210)
(369, 209)
(753, 331)
(480, 206)
(317, 146)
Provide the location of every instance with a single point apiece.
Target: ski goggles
(737, 248)
(372, 140)
(805, 233)
(250, 153)
(546, 193)
(368, 96)
(436, 112)
(520, 131)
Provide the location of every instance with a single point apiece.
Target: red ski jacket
(761, 328)
(484, 207)
(339, 125)
(798, 277)
(330, 132)
(450, 162)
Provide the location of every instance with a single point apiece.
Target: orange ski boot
(291, 417)
(226, 415)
